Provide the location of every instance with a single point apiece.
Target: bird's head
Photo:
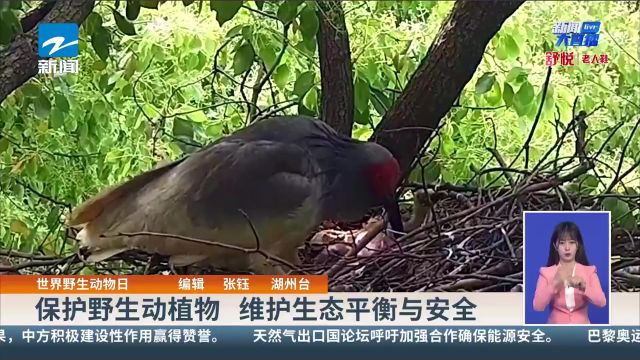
(382, 175)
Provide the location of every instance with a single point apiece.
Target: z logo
(57, 40)
(58, 44)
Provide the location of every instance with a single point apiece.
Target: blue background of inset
(595, 233)
(48, 30)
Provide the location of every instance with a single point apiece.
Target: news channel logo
(57, 40)
(585, 33)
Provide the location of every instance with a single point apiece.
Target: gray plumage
(282, 175)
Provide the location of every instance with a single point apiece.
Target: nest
(473, 243)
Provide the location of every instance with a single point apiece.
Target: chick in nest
(337, 243)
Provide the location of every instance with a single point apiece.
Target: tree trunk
(335, 67)
(448, 66)
(19, 62)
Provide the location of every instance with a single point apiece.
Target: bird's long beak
(393, 214)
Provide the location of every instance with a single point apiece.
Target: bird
(266, 186)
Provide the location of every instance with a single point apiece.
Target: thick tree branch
(35, 16)
(19, 61)
(335, 67)
(448, 66)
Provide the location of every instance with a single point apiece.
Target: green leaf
(214, 131)
(158, 52)
(99, 107)
(309, 23)
(522, 100)
(511, 47)
(310, 100)
(53, 218)
(19, 227)
(259, 4)
(243, 59)
(589, 183)
(194, 114)
(281, 76)
(380, 101)
(495, 95)
(101, 41)
(268, 56)
(4, 144)
(99, 65)
(149, 4)
(310, 44)
(507, 95)
(133, 9)
(9, 26)
(32, 91)
(123, 24)
(485, 82)
(361, 93)
(42, 107)
(130, 68)
(236, 30)
(302, 110)
(104, 84)
(56, 119)
(517, 75)
(620, 212)
(225, 10)
(150, 110)
(448, 146)
(15, 4)
(303, 83)
(93, 22)
(195, 43)
(430, 173)
(507, 48)
(288, 10)
(62, 103)
(362, 117)
(182, 127)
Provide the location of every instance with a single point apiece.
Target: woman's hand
(577, 282)
(563, 274)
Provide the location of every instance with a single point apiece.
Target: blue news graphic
(591, 27)
(586, 33)
(57, 40)
(594, 227)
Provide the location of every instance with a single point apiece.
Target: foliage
(159, 79)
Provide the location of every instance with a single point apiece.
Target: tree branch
(335, 67)
(448, 66)
(19, 61)
(35, 16)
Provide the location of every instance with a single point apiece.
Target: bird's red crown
(384, 177)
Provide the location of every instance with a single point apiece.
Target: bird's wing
(264, 179)
(215, 194)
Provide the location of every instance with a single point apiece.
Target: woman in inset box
(568, 282)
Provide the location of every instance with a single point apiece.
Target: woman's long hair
(567, 230)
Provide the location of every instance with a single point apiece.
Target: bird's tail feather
(95, 206)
